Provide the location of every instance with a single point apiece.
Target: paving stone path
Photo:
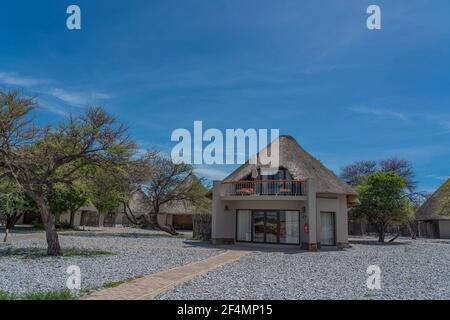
(149, 287)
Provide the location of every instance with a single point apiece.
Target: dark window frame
(252, 211)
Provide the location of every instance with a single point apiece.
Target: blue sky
(310, 68)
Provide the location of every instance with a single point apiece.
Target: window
(327, 231)
(289, 227)
(259, 226)
(275, 226)
(244, 225)
(283, 174)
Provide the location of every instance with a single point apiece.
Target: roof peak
(301, 165)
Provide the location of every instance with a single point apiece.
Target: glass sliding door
(289, 227)
(327, 229)
(274, 226)
(244, 225)
(258, 226)
(271, 229)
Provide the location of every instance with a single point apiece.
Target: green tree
(114, 186)
(357, 172)
(38, 158)
(383, 201)
(13, 205)
(169, 182)
(68, 198)
(410, 217)
(105, 189)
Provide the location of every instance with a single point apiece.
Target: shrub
(37, 225)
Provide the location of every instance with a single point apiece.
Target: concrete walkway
(149, 287)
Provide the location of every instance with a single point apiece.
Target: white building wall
(338, 205)
(223, 222)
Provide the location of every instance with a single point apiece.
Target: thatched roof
(430, 210)
(179, 207)
(301, 165)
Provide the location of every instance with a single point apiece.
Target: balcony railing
(265, 187)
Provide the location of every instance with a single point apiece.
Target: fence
(265, 187)
(201, 226)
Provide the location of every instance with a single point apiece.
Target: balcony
(279, 188)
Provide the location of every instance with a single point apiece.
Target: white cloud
(101, 96)
(70, 98)
(14, 79)
(78, 99)
(442, 119)
(55, 110)
(379, 112)
(438, 177)
(211, 173)
(43, 87)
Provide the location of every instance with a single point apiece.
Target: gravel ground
(410, 269)
(417, 269)
(147, 253)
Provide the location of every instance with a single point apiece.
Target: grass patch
(33, 253)
(122, 235)
(41, 295)
(107, 285)
(114, 284)
(49, 295)
(367, 296)
(6, 296)
(85, 253)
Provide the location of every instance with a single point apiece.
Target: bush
(64, 225)
(37, 225)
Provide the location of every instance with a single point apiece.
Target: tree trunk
(129, 213)
(381, 234)
(72, 218)
(411, 230)
(11, 221)
(53, 247)
(154, 222)
(396, 236)
(169, 229)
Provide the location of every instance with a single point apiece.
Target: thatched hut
(303, 203)
(433, 217)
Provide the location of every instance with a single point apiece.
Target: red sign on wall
(306, 228)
